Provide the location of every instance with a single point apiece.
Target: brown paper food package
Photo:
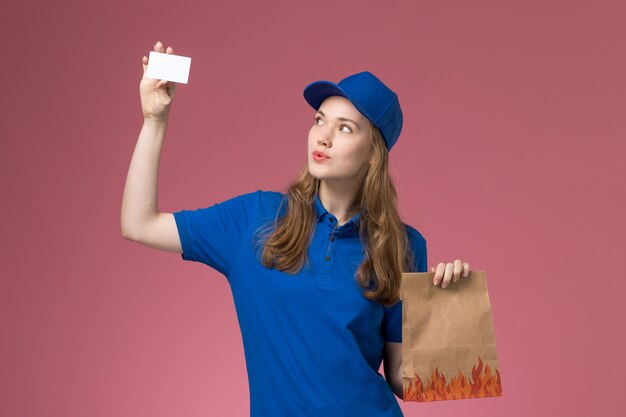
(448, 342)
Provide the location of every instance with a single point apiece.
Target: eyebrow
(342, 119)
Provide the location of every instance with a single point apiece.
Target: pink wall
(511, 158)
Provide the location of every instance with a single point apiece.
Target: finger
(458, 268)
(438, 273)
(447, 274)
(144, 63)
(466, 269)
(169, 50)
(158, 47)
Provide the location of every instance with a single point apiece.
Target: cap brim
(317, 91)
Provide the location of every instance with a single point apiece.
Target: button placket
(331, 239)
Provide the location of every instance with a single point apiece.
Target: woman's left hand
(449, 271)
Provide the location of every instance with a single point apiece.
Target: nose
(324, 138)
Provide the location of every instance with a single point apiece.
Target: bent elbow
(395, 382)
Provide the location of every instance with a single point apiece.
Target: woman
(315, 272)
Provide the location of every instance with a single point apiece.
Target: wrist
(155, 121)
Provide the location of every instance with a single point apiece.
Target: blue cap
(369, 95)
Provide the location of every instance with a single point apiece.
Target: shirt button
(327, 258)
(332, 238)
(331, 220)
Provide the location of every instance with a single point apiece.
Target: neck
(337, 198)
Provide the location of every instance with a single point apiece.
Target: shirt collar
(352, 226)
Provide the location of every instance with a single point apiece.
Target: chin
(324, 177)
(315, 174)
(318, 173)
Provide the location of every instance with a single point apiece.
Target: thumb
(432, 269)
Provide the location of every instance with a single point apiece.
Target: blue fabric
(313, 343)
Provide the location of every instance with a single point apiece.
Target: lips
(320, 154)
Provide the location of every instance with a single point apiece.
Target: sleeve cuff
(185, 236)
(394, 338)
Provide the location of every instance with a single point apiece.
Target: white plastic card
(168, 67)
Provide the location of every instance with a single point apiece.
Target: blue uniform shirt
(313, 343)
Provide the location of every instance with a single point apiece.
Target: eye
(319, 118)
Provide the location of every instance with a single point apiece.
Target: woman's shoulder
(270, 201)
(270, 196)
(415, 236)
(417, 243)
(270, 193)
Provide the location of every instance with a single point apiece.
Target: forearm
(140, 199)
(395, 382)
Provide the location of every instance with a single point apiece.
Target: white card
(168, 67)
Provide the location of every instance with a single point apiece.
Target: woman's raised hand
(156, 95)
(450, 271)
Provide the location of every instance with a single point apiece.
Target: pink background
(511, 158)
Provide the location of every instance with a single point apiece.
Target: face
(347, 143)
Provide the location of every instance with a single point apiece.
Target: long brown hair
(388, 253)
